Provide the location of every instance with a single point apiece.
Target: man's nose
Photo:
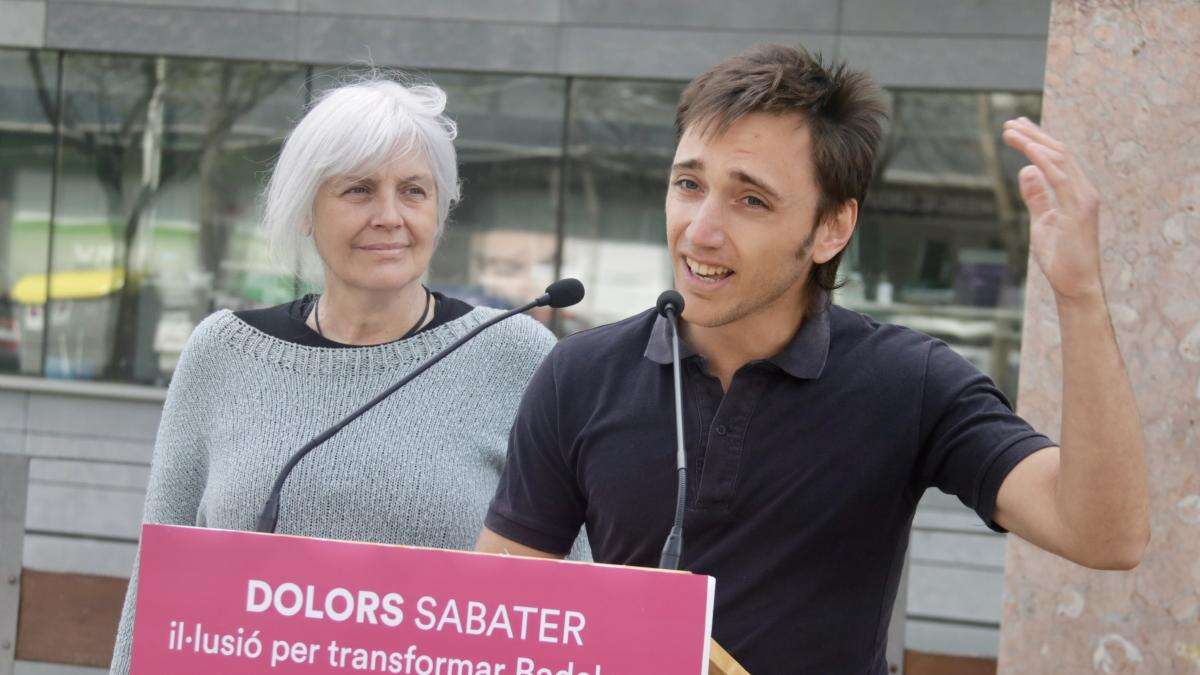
(707, 229)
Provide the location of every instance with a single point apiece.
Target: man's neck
(757, 336)
(356, 317)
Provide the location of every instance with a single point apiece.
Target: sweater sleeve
(178, 468)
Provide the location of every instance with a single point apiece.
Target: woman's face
(377, 232)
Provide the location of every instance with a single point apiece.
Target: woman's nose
(390, 214)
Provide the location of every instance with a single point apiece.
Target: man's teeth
(700, 269)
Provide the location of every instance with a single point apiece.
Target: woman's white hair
(354, 129)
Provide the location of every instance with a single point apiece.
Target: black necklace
(411, 331)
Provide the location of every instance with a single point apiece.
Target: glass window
(942, 240)
(156, 218)
(500, 244)
(28, 90)
(621, 142)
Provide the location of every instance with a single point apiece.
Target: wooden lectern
(721, 663)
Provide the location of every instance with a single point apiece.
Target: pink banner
(216, 601)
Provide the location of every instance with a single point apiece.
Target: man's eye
(356, 190)
(755, 202)
(687, 184)
(417, 190)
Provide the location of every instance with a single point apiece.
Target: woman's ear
(834, 232)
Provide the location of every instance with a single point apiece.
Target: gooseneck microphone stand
(670, 306)
(562, 293)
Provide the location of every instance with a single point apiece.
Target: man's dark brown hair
(843, 109)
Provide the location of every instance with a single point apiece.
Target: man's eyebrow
(751, 180)
(737, 174)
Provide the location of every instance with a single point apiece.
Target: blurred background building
(135, 136)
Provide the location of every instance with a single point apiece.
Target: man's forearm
(1101, 491)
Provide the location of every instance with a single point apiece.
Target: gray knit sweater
(419, 469)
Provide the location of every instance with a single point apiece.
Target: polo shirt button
(721, 430)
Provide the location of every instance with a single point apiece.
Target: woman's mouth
(383, 248)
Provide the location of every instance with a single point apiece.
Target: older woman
(361, 192)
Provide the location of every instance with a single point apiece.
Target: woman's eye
(356, 190)
(755, 202)
(417, 191)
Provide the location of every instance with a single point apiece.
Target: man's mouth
(706, 271)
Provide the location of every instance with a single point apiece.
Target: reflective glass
(28, 87)
(499, 246)
(156, 216)
(942, 240)
(621, 143)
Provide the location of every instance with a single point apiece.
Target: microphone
(561, 293)
(670, 301)
(670, 306)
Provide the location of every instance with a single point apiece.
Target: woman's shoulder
(520, 331)
(278, 320)
(517, 344)
(209, 337)
(202, 353)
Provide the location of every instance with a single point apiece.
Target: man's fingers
(1035, 191)
(1052, 165)
(1023, 142)
(1027, 126)
(1023, 127)
(1059, 168)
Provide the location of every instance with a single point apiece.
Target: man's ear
(834, 232)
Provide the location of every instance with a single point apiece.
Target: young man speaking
(811, 431)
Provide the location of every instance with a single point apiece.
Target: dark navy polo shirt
(802, 479)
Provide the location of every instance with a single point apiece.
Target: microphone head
(672, 300)
(565, 292)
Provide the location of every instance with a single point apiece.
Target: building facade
(136, 135)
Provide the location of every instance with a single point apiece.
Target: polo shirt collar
(804, 357)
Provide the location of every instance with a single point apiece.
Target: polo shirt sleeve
(970, 437)
(538, 501)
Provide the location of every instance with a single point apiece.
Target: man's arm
(1088, 500)
(538, 500)
(490, 542)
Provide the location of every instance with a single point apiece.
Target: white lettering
(368, 602)
(450, 615)
(425, 607)
(256, 589)
(524, 612)
(347, 604)
(392, 614)
(548, 626)
(573, 623)
(476, 612)
(500, 622)
(310, 611)
(294, 591)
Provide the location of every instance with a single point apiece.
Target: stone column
(1123, 90)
